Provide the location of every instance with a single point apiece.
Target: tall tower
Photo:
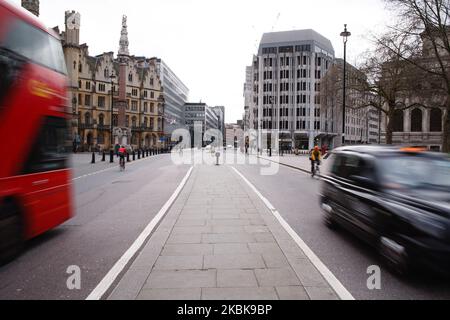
(121, 133)
(32, 6)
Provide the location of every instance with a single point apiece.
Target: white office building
(286, 86)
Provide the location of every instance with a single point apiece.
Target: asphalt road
(295, 195)
(112, 209)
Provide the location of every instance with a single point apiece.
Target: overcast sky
(208, 43)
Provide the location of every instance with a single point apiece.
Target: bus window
(36, 45)
(50, 151)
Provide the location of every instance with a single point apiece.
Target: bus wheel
(11, 231)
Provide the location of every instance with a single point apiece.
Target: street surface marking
(113, 167)
(115, 271)
(337, 286)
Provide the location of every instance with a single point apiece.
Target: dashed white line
(337, 286)
(115, 271)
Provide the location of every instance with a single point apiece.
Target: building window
(101, 119)
(398, 121)
(80, 68)
(88, 85)
(115, 120)
(152, 94)
(130, 77)
(145, 122)
(134, 122)
(145, 93)
(416, 120)
(145, 107)
(80, 99)
(101, 138)
(134, 92)
(87, 100)
(152, 107)
(101, 102)
(151, 81)
(436, 120)
(134, 105)
(79, 84)
(87, 118)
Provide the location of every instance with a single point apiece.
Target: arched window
(416, 120)
(436, 120)
(152, 124)
(80, 68)
(115, 120)
(74, 65)
(87, 118)
(398, 121)
(101, 119)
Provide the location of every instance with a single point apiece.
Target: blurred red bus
(35, 181)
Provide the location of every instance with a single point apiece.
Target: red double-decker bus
(35, 181)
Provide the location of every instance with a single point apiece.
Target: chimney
(32, 6)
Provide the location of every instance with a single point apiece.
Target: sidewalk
(219, 242)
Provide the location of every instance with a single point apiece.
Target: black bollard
(139, 154)
(134, 155)
(148, 154)
(128, 157)
(111, 156)
(103, 156)
(93, 157)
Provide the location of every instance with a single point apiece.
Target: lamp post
(345, 35)
(112, 77)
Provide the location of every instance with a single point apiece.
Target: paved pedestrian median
(219, 242)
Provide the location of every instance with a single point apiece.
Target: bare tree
(384, 81)
(424, 26)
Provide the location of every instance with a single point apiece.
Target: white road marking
(114, 167)
(115, 271)
(337, 286)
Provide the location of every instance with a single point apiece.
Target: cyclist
(316, 157)
(122, 154)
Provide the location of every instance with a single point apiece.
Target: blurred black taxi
(396, 199)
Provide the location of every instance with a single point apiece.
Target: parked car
(395, 199)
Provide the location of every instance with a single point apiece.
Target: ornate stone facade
(32, 6)
(93, 90)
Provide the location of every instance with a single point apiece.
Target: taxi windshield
(412, 171)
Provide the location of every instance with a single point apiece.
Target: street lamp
(345, 35)
(112, 77)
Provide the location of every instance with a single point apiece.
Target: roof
(385, 149)
(284, 37)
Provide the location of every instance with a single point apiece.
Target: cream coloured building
(93, 90)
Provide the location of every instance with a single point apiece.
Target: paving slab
(220, 242)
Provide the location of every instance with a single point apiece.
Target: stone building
(96, 83)
(32, 6)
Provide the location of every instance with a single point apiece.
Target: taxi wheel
(11, 232)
